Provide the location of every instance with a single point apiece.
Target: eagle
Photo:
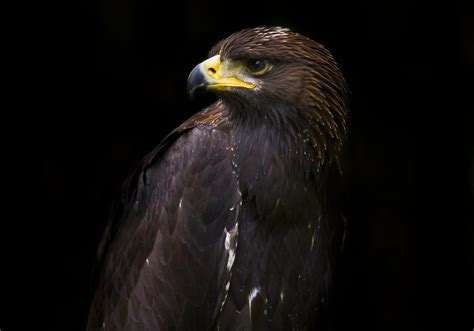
(233, 222)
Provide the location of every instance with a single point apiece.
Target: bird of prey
(233, 221)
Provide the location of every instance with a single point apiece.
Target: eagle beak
(214, 76)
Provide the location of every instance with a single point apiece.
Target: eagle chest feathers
(232, 222)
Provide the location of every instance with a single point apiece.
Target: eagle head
(271, 66)
(275, 73)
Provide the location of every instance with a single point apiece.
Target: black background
(95, 85)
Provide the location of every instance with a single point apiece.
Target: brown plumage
(233, 221)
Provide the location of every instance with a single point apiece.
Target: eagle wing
(167, 260)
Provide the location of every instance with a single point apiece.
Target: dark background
(95, 85)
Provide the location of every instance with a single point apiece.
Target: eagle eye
(257, 66)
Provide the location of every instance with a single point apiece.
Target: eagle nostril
(212, 70)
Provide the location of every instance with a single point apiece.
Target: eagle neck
(273, 144)
(302, 137)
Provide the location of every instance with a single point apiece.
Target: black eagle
(233, 221)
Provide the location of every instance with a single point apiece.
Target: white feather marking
(253, 293)
(252, 296)
(230, 244)
(227, 286)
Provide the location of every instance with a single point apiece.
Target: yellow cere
(219, 76)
